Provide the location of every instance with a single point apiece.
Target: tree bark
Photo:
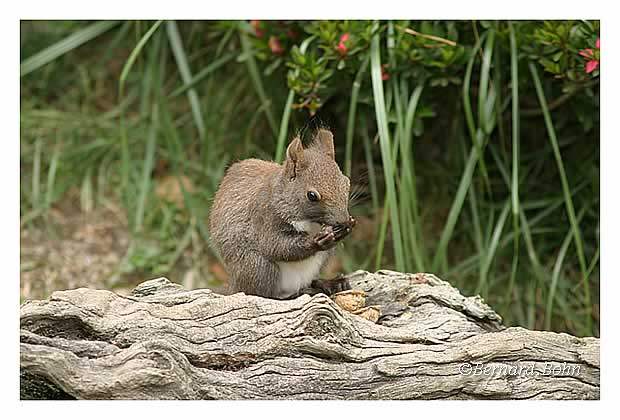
(165, 342)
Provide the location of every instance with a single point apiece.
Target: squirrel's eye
(313, 196)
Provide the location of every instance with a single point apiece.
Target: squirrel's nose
(348, 221)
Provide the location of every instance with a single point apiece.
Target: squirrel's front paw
(342, 230)
(325, 239)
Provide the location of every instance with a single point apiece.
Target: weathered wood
(166, 342)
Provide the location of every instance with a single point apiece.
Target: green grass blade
(469, 116)
(147, 169)
(225, 40)
(386, 147)
(479, 241)
(514, 187)
(594, 261)
(409, 190)
(565, 187)
(555, 275)
(151, 70)
(475, 133)
(36, 174)
(410, 115)
(473, 204)
(370, 165)
(381, 241)
(51, 175)
(535, 267)
(531, 250)
(286, 116)
(134, 55)
(483, 86)
(455, 209)
(186, 75)
(486, 102)
(355, 90)
(492, 248)
(256, 80)
(62, 47)
(202, 74)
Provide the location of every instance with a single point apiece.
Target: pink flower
(384, 74)
(592, 57)
(591, 66)
(257, 29)
(342, 48)
(275, 46)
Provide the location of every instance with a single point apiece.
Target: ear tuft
(324, 140)
(295, 150)
(294, 156)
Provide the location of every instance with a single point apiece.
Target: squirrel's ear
(294, 156)
(324, 140)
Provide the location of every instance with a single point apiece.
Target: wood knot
(322, 319)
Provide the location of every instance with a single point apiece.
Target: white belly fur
(295, 275)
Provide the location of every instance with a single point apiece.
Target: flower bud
(275, 46)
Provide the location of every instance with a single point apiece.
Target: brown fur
(250, 220)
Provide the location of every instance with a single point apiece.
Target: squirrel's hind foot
(331, 286)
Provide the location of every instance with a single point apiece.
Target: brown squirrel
(275, 226)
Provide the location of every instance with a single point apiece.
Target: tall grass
(566, 190)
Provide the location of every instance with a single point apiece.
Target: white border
(314, 9)
(318, 9)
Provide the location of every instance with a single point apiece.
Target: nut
(350, 300)
(371, 313)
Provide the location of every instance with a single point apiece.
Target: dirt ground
(71, 249)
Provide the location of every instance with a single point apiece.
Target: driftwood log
(165, 342)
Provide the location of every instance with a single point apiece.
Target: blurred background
(472, 146)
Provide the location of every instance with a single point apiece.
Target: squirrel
(275, 226)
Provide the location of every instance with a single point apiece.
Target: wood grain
(165, 342)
